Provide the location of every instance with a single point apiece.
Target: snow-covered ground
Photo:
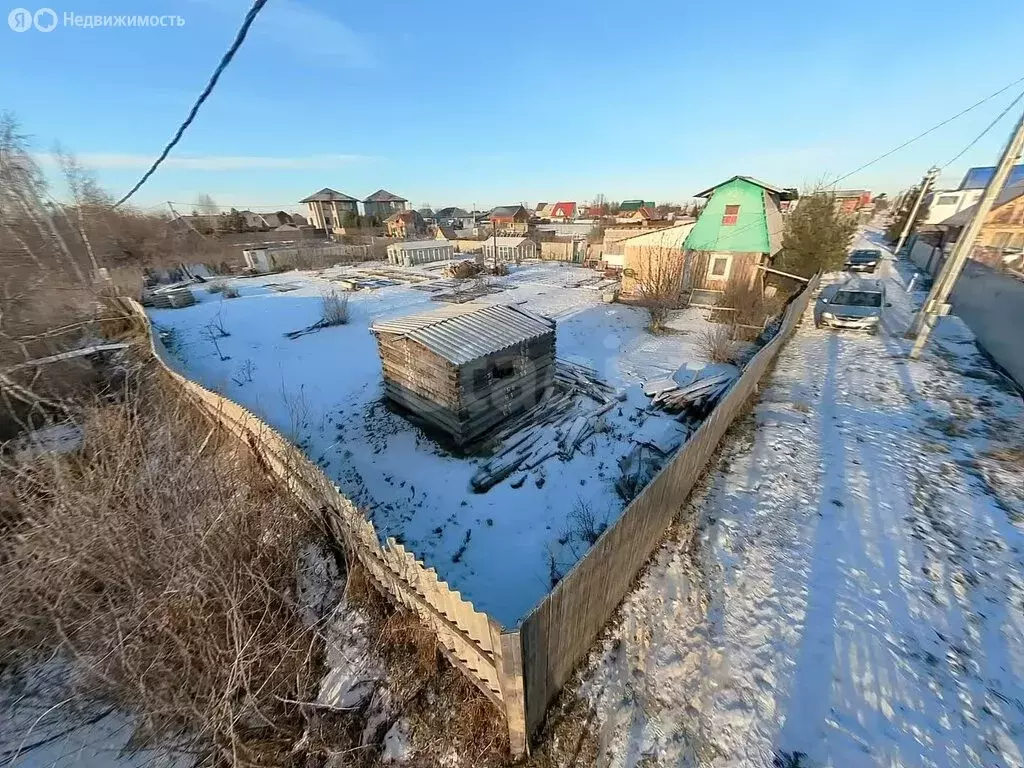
(855, 594)
(47, 720)
(324, 391)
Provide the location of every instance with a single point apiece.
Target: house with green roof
(634, 205)
(739, 229)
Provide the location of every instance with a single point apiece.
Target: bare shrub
(216, 286)
(60, 263)
(230, 292)
(334, 308)
(658, 275)
(715, 344)
(752, 307)
(584, 523)
(164, 566)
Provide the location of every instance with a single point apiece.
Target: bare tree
(658, 273)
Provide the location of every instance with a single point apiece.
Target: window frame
(730, 217)
(727, 257)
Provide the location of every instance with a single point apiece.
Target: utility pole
(936, 304)
(926, 183)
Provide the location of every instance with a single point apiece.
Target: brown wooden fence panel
(469, 638)
(561, 629)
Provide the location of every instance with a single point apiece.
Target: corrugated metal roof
(463, 332)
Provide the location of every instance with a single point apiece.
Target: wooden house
(738, 231)
(465, 368)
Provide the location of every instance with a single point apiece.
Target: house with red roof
(564, 211)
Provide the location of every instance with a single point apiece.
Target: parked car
(863, 260)
(855, 304)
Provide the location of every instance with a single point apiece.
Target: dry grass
(334, 308)
(751, 305)
(230, 292)
(715, 344)
(163, 564)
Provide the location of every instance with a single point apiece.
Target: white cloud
(117, 160)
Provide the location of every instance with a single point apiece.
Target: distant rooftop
(383, 196)
(328, 195)
(506, 211)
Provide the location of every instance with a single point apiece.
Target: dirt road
(854, 598)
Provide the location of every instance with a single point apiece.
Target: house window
(1000, 239)
(947, 200)
(720, 267)
(732, 213)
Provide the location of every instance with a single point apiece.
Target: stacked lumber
(699, 397)
(581, 378)
(559, 425)
(173, 298)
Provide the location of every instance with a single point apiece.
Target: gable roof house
(454, 217)
(509, 219)
(383, 203)
(464, 368)
(404, 224)
(644, 215)
(563, 211)
(739, 230)
(632, 205)
(328, 207)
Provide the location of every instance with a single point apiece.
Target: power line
(911, 141)
(988, 128)
(930, 130)
(257, 6)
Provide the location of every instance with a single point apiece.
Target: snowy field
(855, 596)
(324, 391)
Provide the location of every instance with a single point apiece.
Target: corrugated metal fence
(562, 628)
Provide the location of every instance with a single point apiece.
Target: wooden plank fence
(520, 671)
(475, 644)
(560, 630)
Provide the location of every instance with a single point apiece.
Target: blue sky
(463, 103)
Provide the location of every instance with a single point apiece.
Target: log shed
(465, 368)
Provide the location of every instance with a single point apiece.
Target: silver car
(855, 304)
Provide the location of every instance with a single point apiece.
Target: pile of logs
(557, 426)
